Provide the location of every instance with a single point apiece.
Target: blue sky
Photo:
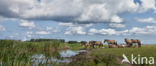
(78, 20)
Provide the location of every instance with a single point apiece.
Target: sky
(78, 20)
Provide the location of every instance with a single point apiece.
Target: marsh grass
(18, 53)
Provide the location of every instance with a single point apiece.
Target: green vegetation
(144, 51)
(40, 40)
(113, 56)
(72, 42)
(18, 53)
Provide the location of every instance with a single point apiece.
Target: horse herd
(113, 43)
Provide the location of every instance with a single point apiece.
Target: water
(70, 53)
(0, 63)
(42, 59)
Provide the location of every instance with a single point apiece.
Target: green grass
(17, 53)
(144, 51)
(76, 46)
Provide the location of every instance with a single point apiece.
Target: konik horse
(85, 44)
(95, 43)
(110, 41)
(130, 42)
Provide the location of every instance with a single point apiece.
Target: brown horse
(112, 46)
(130, 42)
(95, 43)
(125, 46)
(99, 43)
(86, 45)
(110, 41)
(92, 43)
(83, 43)
(122, 46)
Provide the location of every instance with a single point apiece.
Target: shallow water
(0, 63)
(70, 53)
(42, 59)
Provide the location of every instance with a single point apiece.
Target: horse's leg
(109, 46)
(93, 46)
(101, 45)
(128, 45)
(131, 44)
(116, 43)
(139, 44)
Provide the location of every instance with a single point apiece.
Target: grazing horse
(95, 43)
(112, 46)
(110, 41)
(92, 43)
(122, 46)
(85, 44)
(99, 43)
(131, 41)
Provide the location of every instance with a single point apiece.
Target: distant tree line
(74, 42)
(40, 40)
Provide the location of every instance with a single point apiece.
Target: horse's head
(126, 38)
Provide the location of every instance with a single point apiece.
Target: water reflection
(70, 53)
(0, 63)
(43, 59)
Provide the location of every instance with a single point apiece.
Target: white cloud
(29, 24)
(29, 34)
(102, 31)
(43, 32)
(75, 30)
(73, 10)
(109, 31)
(48, 28)
(116, 19)
(116, 25)
(147, 20)
(148, 4)
(70, 24)
(88, 25)
(148, 30)
(102, 10)
(2, 28)
(66, 24)
(24, 39)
